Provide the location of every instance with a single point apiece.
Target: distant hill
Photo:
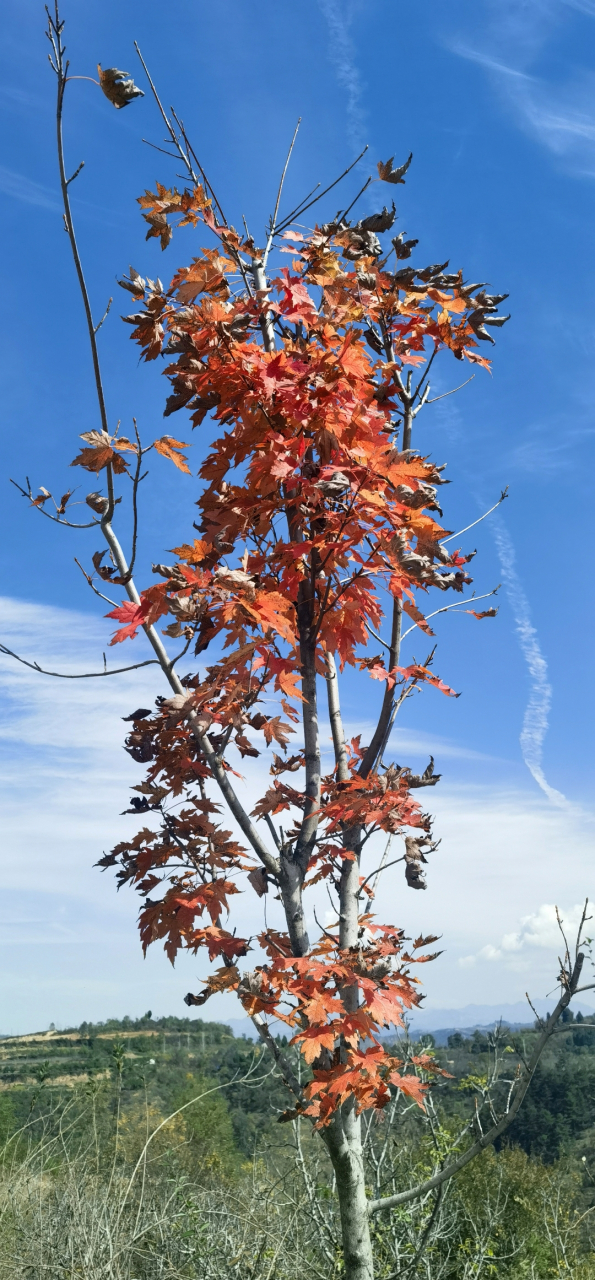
(471, 1016)
(154, 1059)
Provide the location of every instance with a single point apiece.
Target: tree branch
(570, 984)
(54, 34)
(503, 495)
(85, 675)
(334, 710)
(445, 608)
(301, 208)
(379, 740)
(451, 393)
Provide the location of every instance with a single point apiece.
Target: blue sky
(496, 102)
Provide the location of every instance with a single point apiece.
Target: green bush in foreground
(91, 1189)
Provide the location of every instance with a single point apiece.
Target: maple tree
(318, 522)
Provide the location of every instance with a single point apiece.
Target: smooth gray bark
(343, 1137)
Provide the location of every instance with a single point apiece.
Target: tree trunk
(343, 1136)
(343, 1142)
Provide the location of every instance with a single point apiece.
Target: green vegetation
(162, 1061)
(107, 1173)
(558, 1115)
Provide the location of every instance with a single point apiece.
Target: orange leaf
(417, 616)
(277, 728)
(170, 448)
(193, 554)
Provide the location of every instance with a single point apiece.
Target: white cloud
(540, 929)
(70, 945)
(489, 63)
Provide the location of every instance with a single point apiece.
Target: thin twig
(358, 196)
(106, 312)
(300, 209)
(273, 222)
(90, 583)
(451, 393)
(135, 483)
(424, 375)
(503, 495)
(569, 989)
(65, 524)
(445, 607)
(86, 675)
(55, 37)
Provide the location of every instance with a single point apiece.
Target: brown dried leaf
(118, 86)
(386, 173)
(258, 880)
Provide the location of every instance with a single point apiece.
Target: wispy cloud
(583, 6)
(558, 114)
(342, 55)
(484, 60)
(536, 718)
(18, 187)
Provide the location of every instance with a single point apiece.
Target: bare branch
(104, 316)
(55, 31)
(65, 524)
(379, 638)
(380, 868)
(383, 727)
(435, 399)
(273, 222)
(445, 608)
(169, 126)
(135, 483)
(424, 375)
(284, 1066)
(82, 164)
(85, 675)
(358, 197)
(301, 208)
(503, 495)
(570, 987)
(90, 583)
(271, 827)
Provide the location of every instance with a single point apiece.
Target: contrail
(535, 720)
(343, 58)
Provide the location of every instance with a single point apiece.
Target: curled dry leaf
(42, 497)
(64, 500)
(118, 86)
(97, 503)
(133, 283)
(386, 173)
(178, 707)
(258, 880)
(235, 580)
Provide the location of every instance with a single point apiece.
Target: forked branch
(569, 980)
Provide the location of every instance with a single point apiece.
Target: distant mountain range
(443, 1022)
(483, 1015)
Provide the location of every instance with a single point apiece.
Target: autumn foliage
(313, 524)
